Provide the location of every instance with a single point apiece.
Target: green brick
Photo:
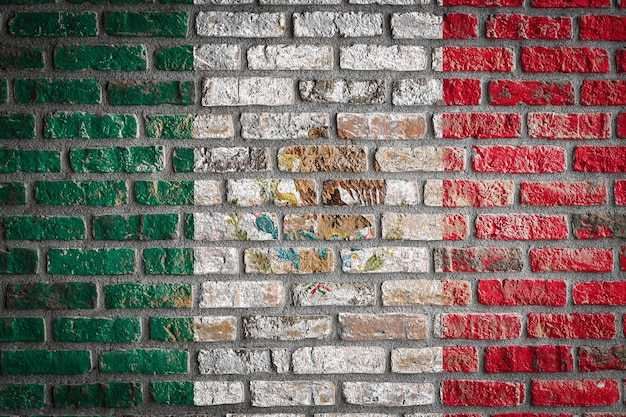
(151, 93)
(53, 24)
(4, 91)
(18, 160)
(172, 329)
(170, 126)
(18, 261)
(170, 193)
(12, 194)
(164, 24)
(21, 57)
(109, 395)
(132, 295)
(56, 296)
(17, 126)
(132, 160)
(177, 58)
(86, 330)
(189, 226)
(76, 193)
(91, 261)
(67, 91)
(169, 261)
(173, 393)
(22, 329)
(138, 227)
(100, 57)
(46, 362)
(89, 126)
(183, 159)
(22, 396)
(145, 361)
(44, 228)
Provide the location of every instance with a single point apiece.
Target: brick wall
(304, 207)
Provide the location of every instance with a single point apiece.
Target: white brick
(333, 293)
(418, 92)
(241, 25)
(329, 24)
(217, 392)
(285, 125)
(416, 25)
(215, 261)
(416, 159)
(290, 57)
(206, 193)
(242, 294)
(232, 159)
(213, 126)
(296, 2)
(287, 327)
(385, 259)
(242, 361)
(419, 292)
(378, 57)
(283, 193)
(234, 226)
(388, 394)
(417, 361)
(214, 328)
(288, 260)
(410, 226)
(218, 57)
(232, 91)
(339, 360)
(402, 193)
(291, 393)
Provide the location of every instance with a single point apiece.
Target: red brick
(468, 193)
(621, 125)
(571, 260)
(519, 26)
(529, 359)
(574, 393)
(522, 292)
(564, 59)
(461, 91)
(612, 293)
(477, 125)
(472, 59)
(460, 359)
(391, 326)
(591, 359)
(482, 393)
(521, 227)
(478, 326)
(603, 92)
(478, 259)
(518, 159)
(619, 191)
(555, 193)
(602, 28)
(620, 60)
(599, 225)
(460, 26)
(571, 326)
(569, 125)
(571, 4)
(600, 158)
(622, 260)
(533, 93)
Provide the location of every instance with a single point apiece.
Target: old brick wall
(312, 207)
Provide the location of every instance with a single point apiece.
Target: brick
(189, 126)
(198, 393)
(18, 261)
(242, 294)
(285, 125)
(131, 160)
(17, 126)
(136, 227)
(341, 90)
(247, 91)
(598, 225)
(240, 24)
(13, 396)
(388, 326)
(419, 292)
(518, 159)
(472, 59)
(288, 260)
(22, 329)
(367, 57)
(108, 395)
(477, 259)
(176, 58)
(191, 261)
(329, 24)
(574, 126)
(12, 194)
(279, 192)
(231, 226)
(574, 193)
(591, 358)
(46, 362)
(567, 4)
(385, 259)
(603, 93)
(418, 92)
(574, 393)
(151, 24)
(461, 91)
(620, 60)
(534, 93)
(333, 294)
(599, 293)
(620, 192)
(417, 360)
(32, 161)
(329, 226)
(242, 361)
(599, 158)
(482, 393)
(388, 394)
(418, 159)
(477, 125)
(521, 292)
(132, 295)
(193, 329)
(370, 193)
(44, 228)
(482, 3)
(145, 361)
(602, 27)
(339, 360)
(414, 25)
(291, 57)
(460, 26)
(100, 57)
(478, 326)
(571, 326)
(13, 57)
(521, 227)
(87, 330)
(46, 90)
(291, 393)
(53, 24)
(322, 159)
(174, 193)
(460, 359)
(571, 260)
(564, 59)
(217, 57)
(75, 261)
(64, 125)
(536, 359)
(520, 27)
(52, 296)
(287, 327)
(401, 226)
(151, 93)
